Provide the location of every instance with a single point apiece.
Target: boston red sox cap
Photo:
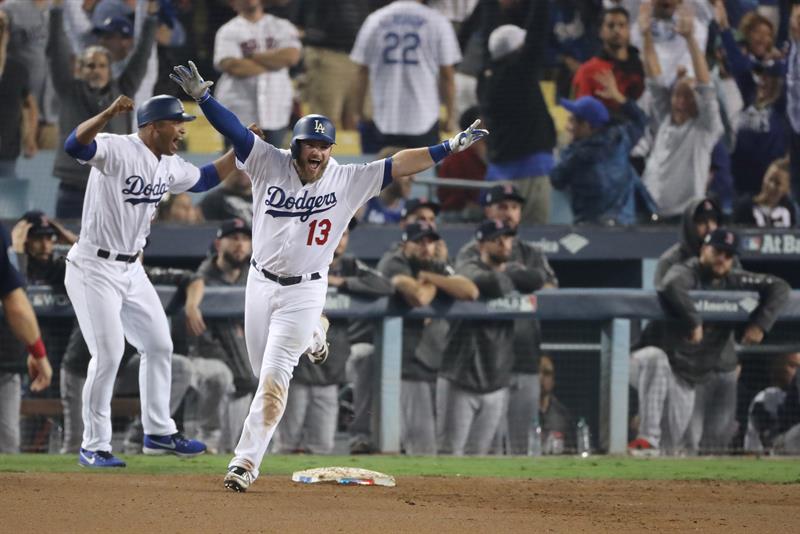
(722, 239)
(503, 192)
(40, 224)
(491, 228)
(233, 226)
(417, 230)
(413, 204)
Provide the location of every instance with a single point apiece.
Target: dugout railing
(618, 311)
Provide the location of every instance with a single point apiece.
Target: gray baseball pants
(10, 401)
(418, 422)
(468, 421)
(359, 373)
(714, 417)
(309, 422)
(666, 401)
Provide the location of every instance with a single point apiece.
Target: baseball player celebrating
(302, 206)
(110, 292)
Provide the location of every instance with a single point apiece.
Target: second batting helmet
(161, 108)
(312, 127)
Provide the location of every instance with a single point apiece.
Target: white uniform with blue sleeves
(112, 297)
(296, 229)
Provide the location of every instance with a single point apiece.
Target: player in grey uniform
(504, 202)
(715, 398)
(309, 423)
(219, 342)
(666, 375)
(417, 279)
(473, 382)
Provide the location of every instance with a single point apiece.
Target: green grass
(771, 470)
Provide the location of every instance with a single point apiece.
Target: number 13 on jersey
(318, 232)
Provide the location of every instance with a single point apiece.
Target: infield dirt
(106, 502)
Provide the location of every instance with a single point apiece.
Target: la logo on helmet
(318, 127)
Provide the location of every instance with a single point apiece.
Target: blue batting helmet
(161, 108)
(312, 127)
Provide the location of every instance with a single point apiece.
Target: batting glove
(464, 139)
(191, 81)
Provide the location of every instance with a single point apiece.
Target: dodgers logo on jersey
(141, 193)
(303, 206)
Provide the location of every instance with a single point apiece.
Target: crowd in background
(679, 111)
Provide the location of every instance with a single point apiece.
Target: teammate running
(302, 206)
(110, 292)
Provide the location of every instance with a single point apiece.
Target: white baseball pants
(113, 301)
(279, 323)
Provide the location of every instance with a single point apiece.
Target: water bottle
(535, 439)
(584, 439)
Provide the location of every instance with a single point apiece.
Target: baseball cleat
(97, 459)
(238, 479)
(175, 444)
(320, 341)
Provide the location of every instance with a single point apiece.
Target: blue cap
(587, 108)
(120, 25)
(492, 228)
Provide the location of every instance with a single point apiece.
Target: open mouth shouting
(173, 145)
(314, 164)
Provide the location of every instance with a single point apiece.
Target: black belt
(284, 280)
(127, 258)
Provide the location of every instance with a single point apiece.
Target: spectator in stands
(417, 279)
(555, 418)
(74, 367)
(84, 96)
(27, 27)
(220, 344)
(170, 32)
(616, 56)
(115, 34)
(178, 209)
(312, 409)
(474, 379)
(666, 377)
(504, 203)
(387, 208)
(329, 32)
(671, 20)
(762, 134)
(233, 199)
(773, 206)
(406, 53)
(19, 113)
(773, 422)
(677, 169)
(793, 100)
(21, 321)
(461, 204)
(595, 166)
(254, 51)
(513, 107)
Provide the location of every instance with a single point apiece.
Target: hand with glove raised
(191, 81)
(462, 140)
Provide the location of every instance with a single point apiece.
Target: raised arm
(59, 51)
(222, 119)
(652, 67)
(131, 78)
(685, 27)
(81, 144)
(415, 160)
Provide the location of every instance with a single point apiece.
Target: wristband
(37, 350)
(440, 151)
(205, 97)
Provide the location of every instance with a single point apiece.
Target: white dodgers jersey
(297, 227)
(404, 45)
(125, 185)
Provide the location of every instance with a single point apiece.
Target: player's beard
(309, 175)
(235, 263)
